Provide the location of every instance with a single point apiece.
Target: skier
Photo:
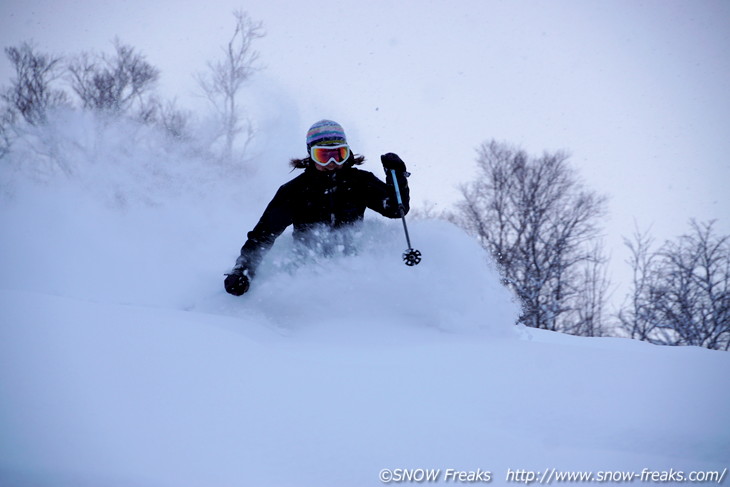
(330, 194)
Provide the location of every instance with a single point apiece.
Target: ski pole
(411, 257)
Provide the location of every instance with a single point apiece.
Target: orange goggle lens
(326, 154)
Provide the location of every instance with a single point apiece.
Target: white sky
(637, 91)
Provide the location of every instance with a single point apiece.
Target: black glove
(236, 283)
(392, 161)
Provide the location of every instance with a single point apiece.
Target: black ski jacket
(321, 198)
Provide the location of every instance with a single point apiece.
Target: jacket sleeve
(273, 222)
(381, 196)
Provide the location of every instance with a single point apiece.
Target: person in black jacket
(330, 194)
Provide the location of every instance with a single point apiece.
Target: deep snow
(124, 363)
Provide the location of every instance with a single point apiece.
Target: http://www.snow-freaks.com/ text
(547, 476)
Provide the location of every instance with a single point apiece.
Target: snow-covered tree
(31, 93)
(113, 83)
(541, 226)
(681, 292)
(223, 81)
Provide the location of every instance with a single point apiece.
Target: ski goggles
(327, 154)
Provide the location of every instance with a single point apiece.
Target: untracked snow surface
(124, 363)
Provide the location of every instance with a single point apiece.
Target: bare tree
(30, 93)
(173, 120)
(113, 83)
(540, 225)
(225, 78)
(681, 292)
(6, 122)
(428, 211)
(637, 317)
(590, 316)
(167, 116)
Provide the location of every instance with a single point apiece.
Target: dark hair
(353, 160)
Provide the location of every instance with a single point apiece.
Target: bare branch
(539, 224)
(112, 83)
(222, 83)
(30, 93)
(681, 292)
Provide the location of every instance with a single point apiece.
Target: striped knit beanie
(325, 131)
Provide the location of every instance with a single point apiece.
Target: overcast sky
(637, 91)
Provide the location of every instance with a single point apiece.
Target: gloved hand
(392, 161)
(237, 282)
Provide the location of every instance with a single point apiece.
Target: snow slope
(123, 362)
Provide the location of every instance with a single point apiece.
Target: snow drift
(124, 363)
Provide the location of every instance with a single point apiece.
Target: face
(329, 167)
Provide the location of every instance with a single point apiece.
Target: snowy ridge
(124, 363)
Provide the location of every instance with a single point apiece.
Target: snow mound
(452, 290)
